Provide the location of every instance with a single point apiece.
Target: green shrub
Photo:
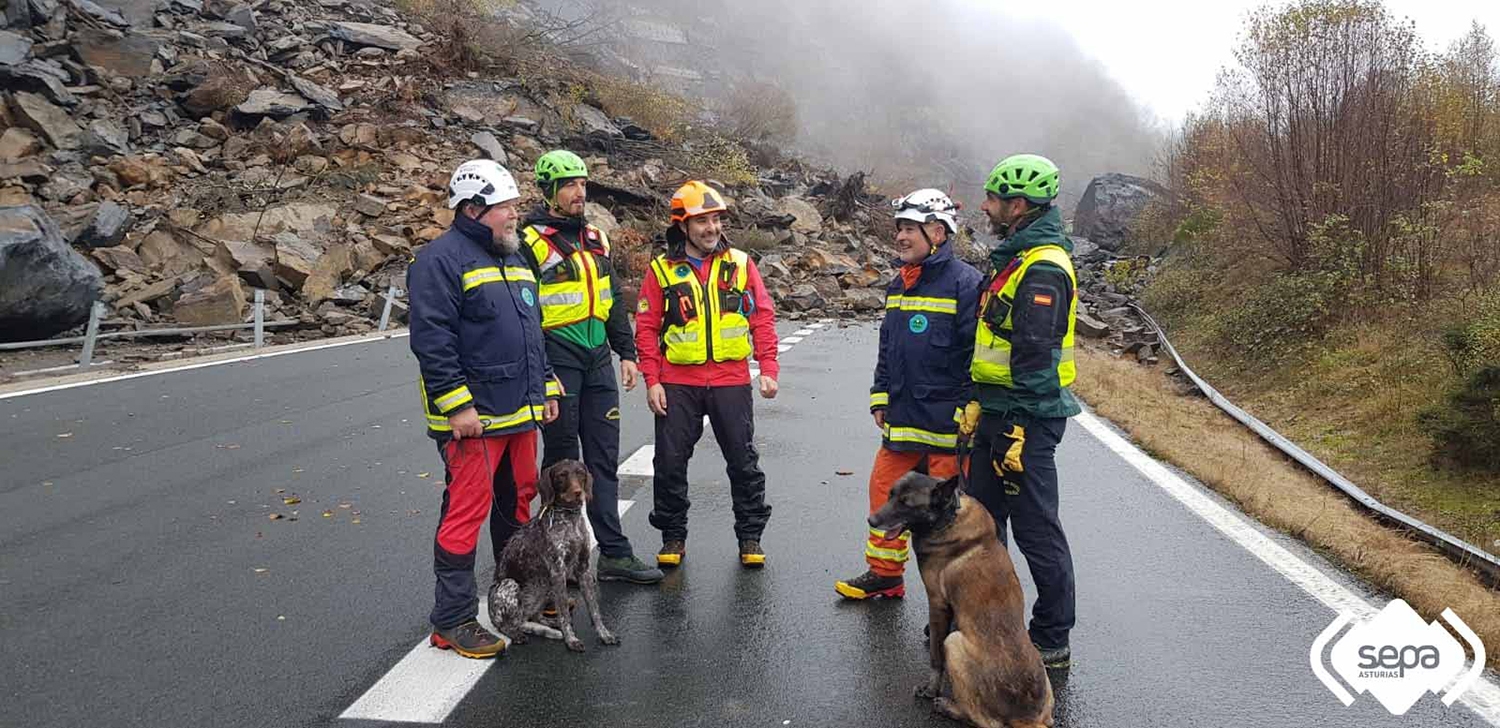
(1465, 430)
(1287, 310)
(1472, 343)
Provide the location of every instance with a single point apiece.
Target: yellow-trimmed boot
(871, 585)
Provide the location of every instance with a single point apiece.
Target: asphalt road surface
(144, 582)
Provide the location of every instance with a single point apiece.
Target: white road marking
(792, 340)
(428, 683)
(782, 348)
(816, 326)
(802, 332)
(624, 506)
(201, 365)
(639, 462)
(1483, 698)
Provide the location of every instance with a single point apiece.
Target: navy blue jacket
(476, 331)
(926, 344)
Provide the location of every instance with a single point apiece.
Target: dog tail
(541, 630)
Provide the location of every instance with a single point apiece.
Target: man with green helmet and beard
(1022, 366)
(578, 291)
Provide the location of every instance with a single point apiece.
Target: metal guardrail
(1460, 551)
(257, 323)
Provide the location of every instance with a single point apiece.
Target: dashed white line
(802, 332)
(792, 340)
(1483, 698)
(782, 348)
(639, 463)
(428, 683)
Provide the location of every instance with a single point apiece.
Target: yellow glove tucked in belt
(969, 420)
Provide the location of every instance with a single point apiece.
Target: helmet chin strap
(932, 247)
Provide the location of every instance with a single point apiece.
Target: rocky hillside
(303, 149)
(170, 166)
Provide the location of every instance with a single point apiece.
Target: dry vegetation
(1335, 251)
(1218, 451)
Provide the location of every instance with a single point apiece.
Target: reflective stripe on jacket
(926, 340)
(476, 333)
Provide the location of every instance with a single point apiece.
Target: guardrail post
(260, 317)
(390, 298)
(87, 357)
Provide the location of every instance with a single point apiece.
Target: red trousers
(487, 477)
(888, 556)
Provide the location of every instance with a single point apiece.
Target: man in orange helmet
(703, 311)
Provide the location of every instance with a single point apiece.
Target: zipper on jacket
(590, 275)
(711, 306)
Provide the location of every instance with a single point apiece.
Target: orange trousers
(888, 556)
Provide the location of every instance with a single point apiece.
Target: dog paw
(609, 638)
(575, 644)
(925, 691)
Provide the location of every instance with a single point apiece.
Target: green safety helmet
(1030, 176)
(558, 165)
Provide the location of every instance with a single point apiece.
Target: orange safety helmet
(696, 198)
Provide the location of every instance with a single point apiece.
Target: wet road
(142, 581)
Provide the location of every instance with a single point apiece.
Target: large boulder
(805, 217)
(45, 286)
(1110, 206)
(211, 300)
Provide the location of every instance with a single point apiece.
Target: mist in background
(917, 94)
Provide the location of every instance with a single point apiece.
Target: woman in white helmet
(922, 376)
(486, 387)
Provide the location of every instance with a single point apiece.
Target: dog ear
(545, 488)
(946, 491)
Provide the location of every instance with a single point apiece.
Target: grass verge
(1192, 434)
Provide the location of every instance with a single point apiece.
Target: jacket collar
(1046, 229)
(476, 232)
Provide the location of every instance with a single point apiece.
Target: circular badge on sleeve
(918, 324)
(527, 297)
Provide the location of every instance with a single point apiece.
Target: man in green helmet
(578, 291)
(1023, 364)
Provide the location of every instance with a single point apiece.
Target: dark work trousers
(484, 476)
(1028, 500)
(590, 412)
(731, 413)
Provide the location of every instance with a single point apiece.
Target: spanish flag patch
(1041, 299)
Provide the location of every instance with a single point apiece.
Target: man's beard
(508, 243)
(1000, 229)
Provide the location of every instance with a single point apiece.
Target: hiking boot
(1056, 658)
(871, 585)
(628, 568)
(671, 553)
(469, 639)
(751, 556)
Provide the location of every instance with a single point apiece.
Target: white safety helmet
(926, 205)
(483, 182)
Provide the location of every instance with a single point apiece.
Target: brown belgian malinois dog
(975, 608)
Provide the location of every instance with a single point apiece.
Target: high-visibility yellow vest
(574, 286)
(699, 326)
(992, 347)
